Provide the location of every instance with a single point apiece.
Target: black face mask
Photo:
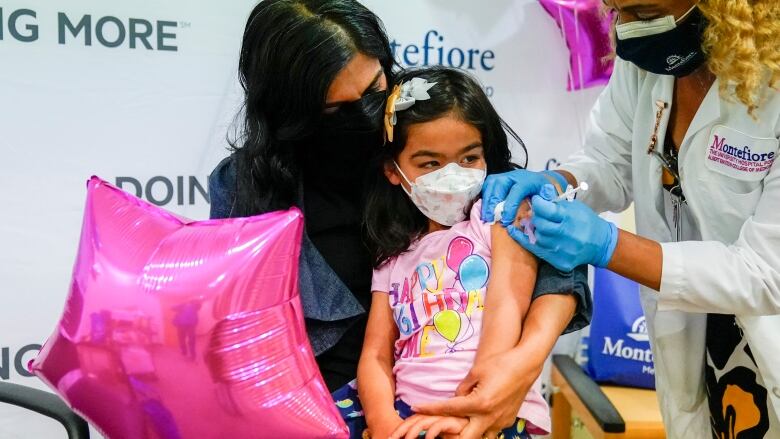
(346, 140)
(677, 51)
(355, 126)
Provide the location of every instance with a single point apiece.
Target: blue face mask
(664, 46)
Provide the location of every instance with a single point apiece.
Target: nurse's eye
(644, 16)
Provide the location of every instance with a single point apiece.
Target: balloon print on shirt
(455, 327)
(472, 271)
(459, 249)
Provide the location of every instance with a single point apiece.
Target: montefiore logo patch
(739, 155)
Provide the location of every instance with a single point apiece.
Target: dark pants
(348, 402)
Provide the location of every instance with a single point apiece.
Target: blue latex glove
(568, 233)
(513, 187)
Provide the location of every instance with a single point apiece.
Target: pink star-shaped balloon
(178, 329)
(586, 28)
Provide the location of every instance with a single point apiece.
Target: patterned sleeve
(479, 228)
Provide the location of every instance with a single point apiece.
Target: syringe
(570, 191)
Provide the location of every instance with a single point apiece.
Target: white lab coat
(735, 269)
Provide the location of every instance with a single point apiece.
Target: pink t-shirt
(437, 292)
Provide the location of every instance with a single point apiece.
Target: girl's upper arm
(513, 268)
(512, 277)
(548, 280)
(381, 331)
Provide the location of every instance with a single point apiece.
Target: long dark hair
(291, 52)
(391, 221)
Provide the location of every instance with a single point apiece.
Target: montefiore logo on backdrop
(433, 49)
(87, 30)
(636, 349)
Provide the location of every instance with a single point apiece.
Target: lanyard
(669, 162)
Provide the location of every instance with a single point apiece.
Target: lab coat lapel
(662, 91)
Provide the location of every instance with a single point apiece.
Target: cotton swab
(497, 212)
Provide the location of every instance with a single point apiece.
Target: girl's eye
(470, 159)
(429, 165)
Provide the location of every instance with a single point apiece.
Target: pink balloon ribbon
(586, 30)
(179, 329)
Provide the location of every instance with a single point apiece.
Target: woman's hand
(568, 233)
(512, 188)
(495, 388)
(491, 394)
(445, 427)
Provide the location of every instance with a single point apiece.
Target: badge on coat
(738, 155)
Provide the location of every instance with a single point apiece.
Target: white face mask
(646, 28)
(444, 194)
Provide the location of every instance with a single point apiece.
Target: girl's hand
(384, 427)
(445, 427)
(491, 394)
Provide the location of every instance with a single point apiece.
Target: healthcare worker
(688, 130)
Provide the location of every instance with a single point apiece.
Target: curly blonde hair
(742, 42)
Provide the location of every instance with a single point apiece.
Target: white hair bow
(403, 97)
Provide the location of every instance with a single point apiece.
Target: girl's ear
(392, 173)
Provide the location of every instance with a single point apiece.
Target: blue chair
(47, 404)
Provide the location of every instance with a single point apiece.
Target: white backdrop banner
(142, 94)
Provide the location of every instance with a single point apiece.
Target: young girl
(435, 260)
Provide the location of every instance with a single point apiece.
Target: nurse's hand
(513, 187)
(568, 233)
